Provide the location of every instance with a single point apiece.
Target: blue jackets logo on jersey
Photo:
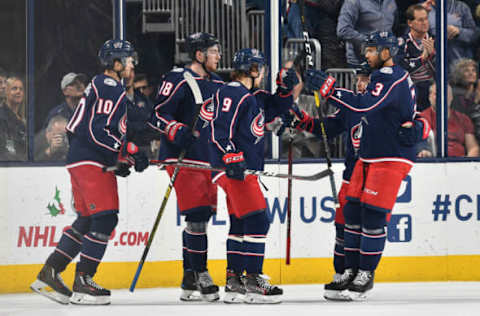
(206, 112)
(257, 127)
(356, 135)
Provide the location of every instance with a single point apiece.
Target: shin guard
(255, 227)
(373, 238)
(352, 234)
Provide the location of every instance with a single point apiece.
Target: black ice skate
(362, 283)
(260, 291)
(334, 289)
(48, 277)
(234, 288)
(189, 287)
(87, 292)
(208, 290)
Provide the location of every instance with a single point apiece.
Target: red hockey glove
(317, 80)
(235, 165)
(179, 134)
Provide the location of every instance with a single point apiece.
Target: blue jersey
(175, 102)
(388, 102)
(98, 125)
(239, 122)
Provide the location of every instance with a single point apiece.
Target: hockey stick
(289, 196)
(197, 95)
(313, 177)
(309, 64)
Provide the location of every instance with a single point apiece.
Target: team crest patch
(92, 206)
(257, 127)
(206, 112)
(110, 82)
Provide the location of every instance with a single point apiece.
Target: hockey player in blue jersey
(241, 111)
(97, 136)
(387, 104)
(344, 120)
(175, 112)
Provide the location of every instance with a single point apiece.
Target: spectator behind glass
(358, 18)
(72, 86)
(461, 140)
(461, 28)
(142, 84)
(55, 146)
(416, 53)
(12, 121)
(466, 90)
(3, 85)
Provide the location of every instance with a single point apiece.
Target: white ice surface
(386, 299)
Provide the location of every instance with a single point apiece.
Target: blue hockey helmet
(116, 49)
(245, 58)
(199, 41)
(382, 40)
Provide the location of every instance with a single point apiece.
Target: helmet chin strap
(203, 63)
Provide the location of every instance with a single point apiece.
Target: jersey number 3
(378, 89)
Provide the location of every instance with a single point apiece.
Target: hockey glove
(286, 80)
(179, 134)
(317, 80)
(410, 133)
(302, 120)
(235, 165)
(131, 155)
(122, 169)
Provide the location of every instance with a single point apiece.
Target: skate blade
(86, 299)
(356, 296)
(212, 297)
(40, 287)
(190, 296)
(254, 298)
(233, 298)
(338, 296)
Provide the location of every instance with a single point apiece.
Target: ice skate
(362, 283)
(234, 288)
(208, 290)
(87, 292)
(260, 291)
(190, 291)
(334, 290)
(48, 277)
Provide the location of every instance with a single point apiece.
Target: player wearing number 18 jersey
(175, 112)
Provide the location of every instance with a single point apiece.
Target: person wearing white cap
(72, 86)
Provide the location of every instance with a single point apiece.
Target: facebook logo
(405, 191)
(400, 228)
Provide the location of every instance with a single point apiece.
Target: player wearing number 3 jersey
(387, 104)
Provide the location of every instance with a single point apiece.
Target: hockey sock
(197, 244)
(95, 243)
(352, 234)
(255, 228)
(373, 238)
(69, 245)
(338, 253)
(235, 258)
(186, 259)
